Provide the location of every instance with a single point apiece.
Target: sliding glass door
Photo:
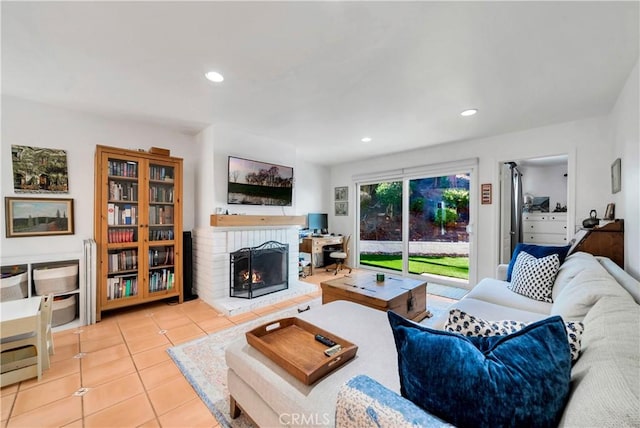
(417, 225)
(381, 222)
(439, 216)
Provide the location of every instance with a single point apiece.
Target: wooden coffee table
(404, 296)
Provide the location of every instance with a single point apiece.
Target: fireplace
(260, 270)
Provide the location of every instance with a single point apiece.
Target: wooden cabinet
(544, 228)
(607, 241)
(137, 228)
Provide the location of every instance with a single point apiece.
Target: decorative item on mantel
(220, 220)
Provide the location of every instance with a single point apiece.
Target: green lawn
(454, 267)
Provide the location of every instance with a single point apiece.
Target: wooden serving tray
(290, 343)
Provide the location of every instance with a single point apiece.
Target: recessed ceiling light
(365, 139)
(469, 112)
(214, 76)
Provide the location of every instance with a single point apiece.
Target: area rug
(202, 363)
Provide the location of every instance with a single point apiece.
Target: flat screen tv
(259, 183)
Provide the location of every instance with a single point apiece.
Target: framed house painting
(342, 193)
(38, 170)
(38, 217)
(342, 208)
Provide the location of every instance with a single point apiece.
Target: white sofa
(605, 379)
(581, 281)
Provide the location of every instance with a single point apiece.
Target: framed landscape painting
(38, 217)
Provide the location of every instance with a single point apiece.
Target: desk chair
(46, 335)
(341, 257)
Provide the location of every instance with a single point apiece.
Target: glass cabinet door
(161, 252)
(122, 229)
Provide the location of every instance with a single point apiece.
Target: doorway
(535, 206)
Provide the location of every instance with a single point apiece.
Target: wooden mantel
(257, 220)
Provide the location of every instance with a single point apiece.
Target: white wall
(586, 140)
(39, 125)
(204, 204)
(310, 187)
(625, 119)
(205, 166)
(592, 145)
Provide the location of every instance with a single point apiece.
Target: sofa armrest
(363, 402)
(501, 272)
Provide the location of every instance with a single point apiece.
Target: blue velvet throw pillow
(537, 251)
(517, 380)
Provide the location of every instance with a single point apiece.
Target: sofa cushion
(583, 291)
(629, 283)
(438, 369)
(487, 310)
(495, 291)
(605, 381)
(536, 251)
(534, 277)
(572, 266)
(470, 325)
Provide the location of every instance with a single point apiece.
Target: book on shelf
(119, 168)
(123, 260)
(111, 214)
(116, 236)
(161, 279)
(119, 287)
(127, 214)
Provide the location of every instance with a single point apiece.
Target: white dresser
(544, 228)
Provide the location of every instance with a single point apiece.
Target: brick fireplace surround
(211, 249)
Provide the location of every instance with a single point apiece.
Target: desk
(315, 245)
(18, 310)
(607, 241)
(19, 317)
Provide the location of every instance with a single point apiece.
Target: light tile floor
(117, 373)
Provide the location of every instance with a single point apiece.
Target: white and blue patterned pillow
(469, 325)
(534, 277)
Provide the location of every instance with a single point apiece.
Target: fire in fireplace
(260, 270)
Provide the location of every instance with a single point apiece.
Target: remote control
(333, 350)
(325, 340)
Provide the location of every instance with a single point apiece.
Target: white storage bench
(64, 275)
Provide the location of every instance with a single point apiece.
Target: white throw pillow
(470, 325)
(534, 277)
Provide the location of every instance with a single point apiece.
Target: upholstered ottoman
(272, 397)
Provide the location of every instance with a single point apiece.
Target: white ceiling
(321, 75)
